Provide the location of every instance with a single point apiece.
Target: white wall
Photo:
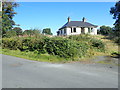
(68, 31)
(86, 30)
(61, 32)
(94, 31)
(78, 31)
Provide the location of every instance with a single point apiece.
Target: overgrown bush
(117, 40)
(66, 48)
(71, 47)
(11, 43)
(81, 37)
(10, 34)
(98, 44)
(56, 46)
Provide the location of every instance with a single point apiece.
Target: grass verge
(33, 56)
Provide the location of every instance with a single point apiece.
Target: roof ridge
(78, 23)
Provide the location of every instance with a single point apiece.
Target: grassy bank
(33, 56)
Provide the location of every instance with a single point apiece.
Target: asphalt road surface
(22, 73)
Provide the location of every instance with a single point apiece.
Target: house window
(89, 30)
(64, 31)
(82, 30)
(74, 29)
(71, 30)
(61, 32)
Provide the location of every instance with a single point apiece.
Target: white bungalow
(77, 27)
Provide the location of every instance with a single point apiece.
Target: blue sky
(54, 14)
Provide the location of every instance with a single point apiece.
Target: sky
(54, 15)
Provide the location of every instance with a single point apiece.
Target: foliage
(0, 24)
(98, 44)
(36, 31)
(73, 47)
(28, 32)
(89, 40)
(18, 30)
(47, 31)
(11, 43)
(66, 48)
(81, 37)
(32, 32)
(105, 30)
(55, 46)
(115, 11)
(10, 33)
(117, 39)
(33, 56)
(7, 16)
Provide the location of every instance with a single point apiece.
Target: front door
(82, 30)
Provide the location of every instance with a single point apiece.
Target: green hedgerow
(61, 47)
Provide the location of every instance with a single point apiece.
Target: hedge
(61, 47)
(95, 43)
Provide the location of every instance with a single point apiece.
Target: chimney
(68, 19)
(84, 19)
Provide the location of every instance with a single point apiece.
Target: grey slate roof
(78, 24)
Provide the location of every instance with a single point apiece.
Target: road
(22, 73)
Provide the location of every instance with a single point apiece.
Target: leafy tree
(47, 31)
(18, 30)
(36, 31)
(0, 19)
(105, 30)
(32, 32)
(28, 32)
(7, 15)
(10, 33)
(115, 11)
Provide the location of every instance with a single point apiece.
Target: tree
(28, 32)
(7, 16)
(115, 11)
(10, 33)
(47, 31)
(18, 30)
(105, 30)
(36, 31)
(31, 32)
(0, 24)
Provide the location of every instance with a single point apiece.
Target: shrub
(11, 43)
(55, 46)
(117, 40)
(66, 48)
(81, 37)
(98, 44)
(10, 34)
(33, 45)
(71, 47)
